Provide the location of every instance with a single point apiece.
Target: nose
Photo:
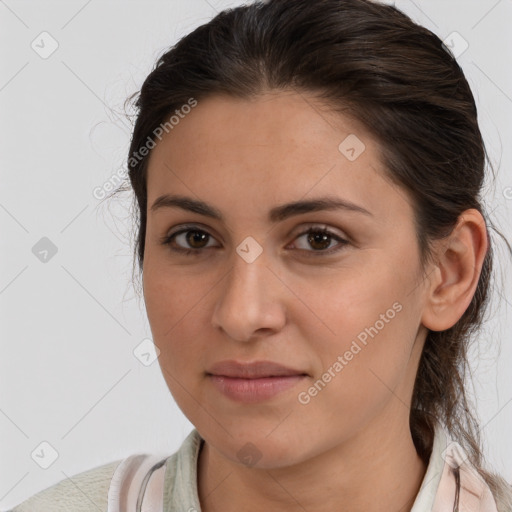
(249, 302)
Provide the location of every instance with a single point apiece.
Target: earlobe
(454, 279)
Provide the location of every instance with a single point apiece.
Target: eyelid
(318, 226)
(296, 232)
(183, 228)
(342, 239)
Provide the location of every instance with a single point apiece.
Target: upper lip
(252, 370)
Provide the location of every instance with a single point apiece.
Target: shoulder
(150, 478)
(84, 492)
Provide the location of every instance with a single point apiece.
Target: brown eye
(196, 239)
(320, 240)
(190, 240)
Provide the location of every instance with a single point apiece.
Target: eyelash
(168, 239)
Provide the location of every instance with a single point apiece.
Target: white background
(69, 326)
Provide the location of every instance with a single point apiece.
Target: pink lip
(254, 390)
(253, 382)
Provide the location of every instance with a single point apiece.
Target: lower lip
(254, 390)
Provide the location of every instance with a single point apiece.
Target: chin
(254, 448)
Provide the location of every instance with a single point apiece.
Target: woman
(314, 258)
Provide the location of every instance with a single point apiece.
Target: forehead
(277, 147)
(275, 121)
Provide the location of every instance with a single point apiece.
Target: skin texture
(296, 305)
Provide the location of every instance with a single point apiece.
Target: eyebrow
(276, 214)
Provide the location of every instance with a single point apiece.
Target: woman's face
(347, 314)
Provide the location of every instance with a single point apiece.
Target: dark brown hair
(374, 63)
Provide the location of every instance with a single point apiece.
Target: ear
(454, 278)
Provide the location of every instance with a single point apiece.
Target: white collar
(438, 492)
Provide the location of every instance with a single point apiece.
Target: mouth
(253, 382)
(256, 389)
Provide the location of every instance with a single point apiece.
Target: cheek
(172, 306)
(369, 326)
(173, 313)
(361, 371)
(356, 303)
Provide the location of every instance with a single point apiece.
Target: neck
(376, 469)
